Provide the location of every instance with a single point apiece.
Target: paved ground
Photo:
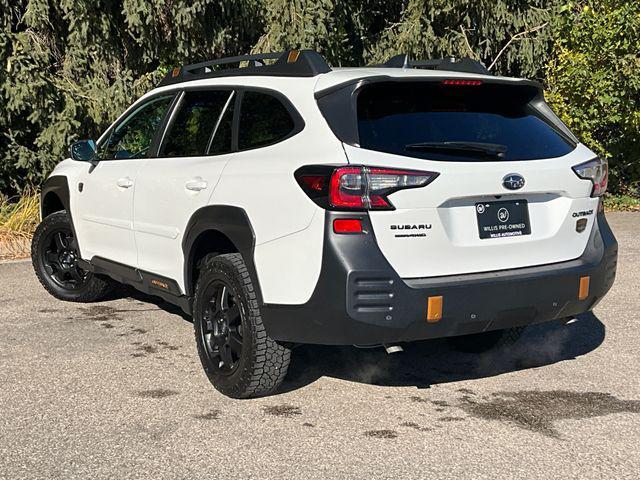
(115, 390)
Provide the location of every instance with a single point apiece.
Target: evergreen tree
(479, 29)
(69, 67)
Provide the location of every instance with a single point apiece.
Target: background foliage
(593, 80)
(69, 67)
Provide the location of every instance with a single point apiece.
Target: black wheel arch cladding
(54, 189)
(231, 221)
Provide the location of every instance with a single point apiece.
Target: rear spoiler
(365, 80)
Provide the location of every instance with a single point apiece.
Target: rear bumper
(359, 299)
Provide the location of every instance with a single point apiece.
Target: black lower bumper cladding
(359, 299)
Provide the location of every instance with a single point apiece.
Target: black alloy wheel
(60, 259)
(222, 327)
(56, 261)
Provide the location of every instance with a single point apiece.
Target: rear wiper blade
(468, 148)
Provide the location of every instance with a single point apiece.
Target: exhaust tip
(393, 349)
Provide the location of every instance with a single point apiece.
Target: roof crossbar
(254, 60)
(465, 64)
(290, 63)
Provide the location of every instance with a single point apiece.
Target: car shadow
(431, 362)
(427, 362)
(127, 292)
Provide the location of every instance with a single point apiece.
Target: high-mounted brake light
(460, 82)
(356, 187)
(596, 170)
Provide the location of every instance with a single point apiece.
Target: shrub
(594, 82)
(18, 221)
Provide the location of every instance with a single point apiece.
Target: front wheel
(55, 256)
(238, 356)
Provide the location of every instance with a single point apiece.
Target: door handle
(124, 182)
(196, 184)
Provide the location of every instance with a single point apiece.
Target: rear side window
(264, 120)
(441, 122)
(192, 129)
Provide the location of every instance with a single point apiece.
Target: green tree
(594, 82)
(513, 32)
(69, 67)
(341, 30)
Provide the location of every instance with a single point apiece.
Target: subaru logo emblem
(513, 181)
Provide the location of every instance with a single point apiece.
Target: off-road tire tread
(97, 287)
(269, 361)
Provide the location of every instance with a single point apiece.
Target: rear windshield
(441, 122)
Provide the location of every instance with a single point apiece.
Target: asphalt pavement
(115, 390)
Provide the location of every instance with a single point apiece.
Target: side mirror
(83, 150)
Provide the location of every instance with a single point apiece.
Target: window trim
(127, 113)
(207, 151)
(165, 127)
(235, 122)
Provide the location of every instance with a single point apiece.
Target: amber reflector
(434, 309)
(293, 56)
(583, 291)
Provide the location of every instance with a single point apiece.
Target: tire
(239, 358)
(54, 255)
(482, 342)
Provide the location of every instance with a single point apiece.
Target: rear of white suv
(292, 203)
(466, 206)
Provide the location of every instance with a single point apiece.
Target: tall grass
(18, 220)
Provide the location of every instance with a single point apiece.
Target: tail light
(358, 187)
(596, 170)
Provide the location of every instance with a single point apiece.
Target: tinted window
(221, 142)
(392, 116)
(133, 136)
(194, 123)
(263, 120)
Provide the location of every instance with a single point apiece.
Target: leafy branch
(517, 36)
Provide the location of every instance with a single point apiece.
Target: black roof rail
(290, 63)
(465, 64)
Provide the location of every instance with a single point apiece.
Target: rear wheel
(55, 256)
(482, 342)
(238, 356)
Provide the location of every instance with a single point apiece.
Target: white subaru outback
(283, 202)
